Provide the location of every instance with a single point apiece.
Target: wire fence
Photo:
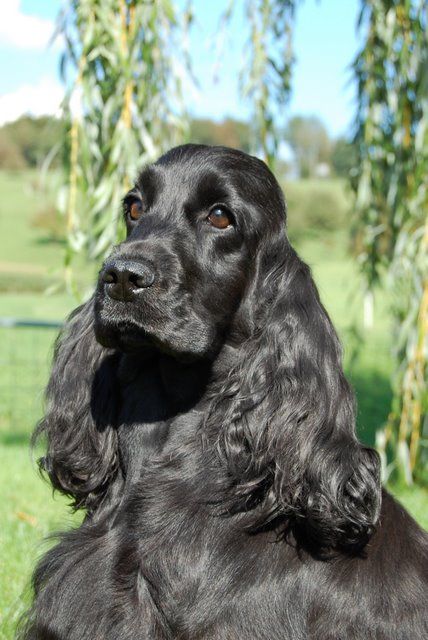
(26, 349)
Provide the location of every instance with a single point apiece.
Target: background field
(30, 261)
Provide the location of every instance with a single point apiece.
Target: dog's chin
(125, 338)
(132, 339)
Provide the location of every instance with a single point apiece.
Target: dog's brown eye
(135, 210)
(219, 217)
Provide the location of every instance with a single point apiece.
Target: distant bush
(51, 222)
(10, 154)
(316, 207)
(344, 157)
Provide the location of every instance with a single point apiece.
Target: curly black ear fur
(81, 458)
(288, 423)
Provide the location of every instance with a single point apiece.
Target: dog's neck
(179, 384)
(154, 390)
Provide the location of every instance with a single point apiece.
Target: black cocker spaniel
(199, 415)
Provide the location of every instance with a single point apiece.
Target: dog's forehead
(189, 178)
(214, 174)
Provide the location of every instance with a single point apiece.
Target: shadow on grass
(14, 438)
(374, 396)
(50, 240)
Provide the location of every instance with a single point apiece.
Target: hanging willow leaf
(391, 187)
(266, 75)
(121, 55)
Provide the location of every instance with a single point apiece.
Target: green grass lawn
(28, 510)
(21, 200)
(31, 258)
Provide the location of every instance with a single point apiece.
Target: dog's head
(195, 222)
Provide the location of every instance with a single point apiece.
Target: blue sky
(325, 43)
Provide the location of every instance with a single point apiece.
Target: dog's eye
(219, 217)
(135, 210)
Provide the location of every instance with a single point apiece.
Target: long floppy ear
(288, 423)
(81, 458)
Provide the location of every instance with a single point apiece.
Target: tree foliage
(229, 132)
(391, 188)
(310, 143)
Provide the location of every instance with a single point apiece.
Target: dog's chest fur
(175, 569)
(169, 565)
(172, 564)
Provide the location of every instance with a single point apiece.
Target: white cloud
(20, 30)
(38, 99)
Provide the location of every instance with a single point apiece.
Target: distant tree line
(28, 142)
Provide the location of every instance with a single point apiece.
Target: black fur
(205, 425)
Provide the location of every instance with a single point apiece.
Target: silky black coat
(199, 415)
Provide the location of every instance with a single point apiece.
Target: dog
(198, 414)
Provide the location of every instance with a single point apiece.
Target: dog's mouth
(129, 337)
(120, 324)
(132, 339)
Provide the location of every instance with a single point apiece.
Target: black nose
(123, 278)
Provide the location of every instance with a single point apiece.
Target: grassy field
(29, 261)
